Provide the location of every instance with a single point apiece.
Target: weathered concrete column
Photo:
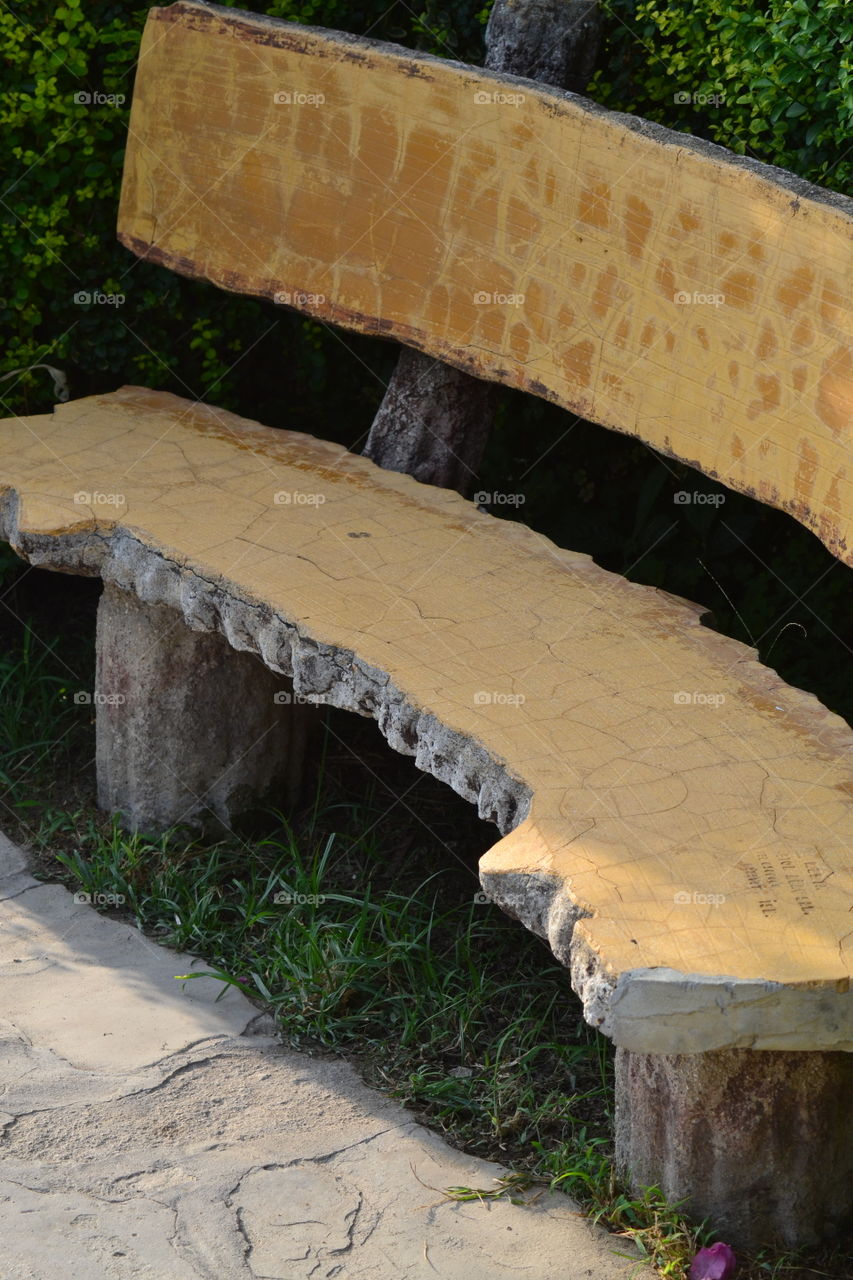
(759, 1142)
(188, 729)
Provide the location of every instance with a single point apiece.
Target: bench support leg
(188, 730)
(760, 1143)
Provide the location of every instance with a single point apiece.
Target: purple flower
(716, 1263)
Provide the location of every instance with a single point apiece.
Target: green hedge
(771, 80)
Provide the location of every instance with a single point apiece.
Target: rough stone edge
(321, 672)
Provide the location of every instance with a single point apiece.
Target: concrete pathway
(153, 1133)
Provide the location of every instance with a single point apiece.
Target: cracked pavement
(153, 1132)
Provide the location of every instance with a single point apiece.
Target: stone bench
(676, 821)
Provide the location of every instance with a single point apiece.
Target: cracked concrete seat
(676, 821)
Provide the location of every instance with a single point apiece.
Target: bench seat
(677, 821)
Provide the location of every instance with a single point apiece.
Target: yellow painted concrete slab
(662, 792)
(638, 277)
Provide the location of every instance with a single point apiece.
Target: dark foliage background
(783, 78)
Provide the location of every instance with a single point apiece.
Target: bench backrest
(644, 279)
